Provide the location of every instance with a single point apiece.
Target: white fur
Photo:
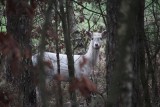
(86, 61)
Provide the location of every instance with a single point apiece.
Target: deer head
(96, 38)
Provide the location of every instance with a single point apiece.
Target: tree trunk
(129, 15)
(71, 28)
(140, 52)
(42, 76)
(112, 11)
(19, 24)
(66, 33)
(59, 102)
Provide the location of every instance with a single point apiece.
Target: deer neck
(92, 54)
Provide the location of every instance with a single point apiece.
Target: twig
(87, 8)
(149, 4)
(89, 26)
(95, 23)
(156, 23)
(102, 14)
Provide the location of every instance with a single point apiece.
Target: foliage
(89, 15)
(2, 19)
(151, 20)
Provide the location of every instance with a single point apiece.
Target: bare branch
(102, 14)
(149, 4)
(87, 8)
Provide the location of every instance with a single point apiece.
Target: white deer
(83, 64)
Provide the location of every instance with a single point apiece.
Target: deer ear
(89, 34)
(104, 34)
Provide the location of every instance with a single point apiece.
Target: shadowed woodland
(122, 38)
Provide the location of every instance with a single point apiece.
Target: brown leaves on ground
(84, 85)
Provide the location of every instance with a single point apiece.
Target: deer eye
(100, 38)
(92, 38)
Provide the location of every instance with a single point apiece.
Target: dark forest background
(127, 74)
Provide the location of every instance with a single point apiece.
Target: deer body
(49, 56)
(83, 63)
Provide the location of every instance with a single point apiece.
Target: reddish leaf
(27, 53)
(10, 6)
(33, 4)
(48, 64)
(59, 77)
(84, 85)
(83, 61)
(9, 47)
(61, 46)
(19, 8)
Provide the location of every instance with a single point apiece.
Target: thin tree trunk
(59, 95)
(66, 33)
(71, 28)
(139, 59)
(42, 84)
(137, 90)
(151, 69)
(140, 38)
